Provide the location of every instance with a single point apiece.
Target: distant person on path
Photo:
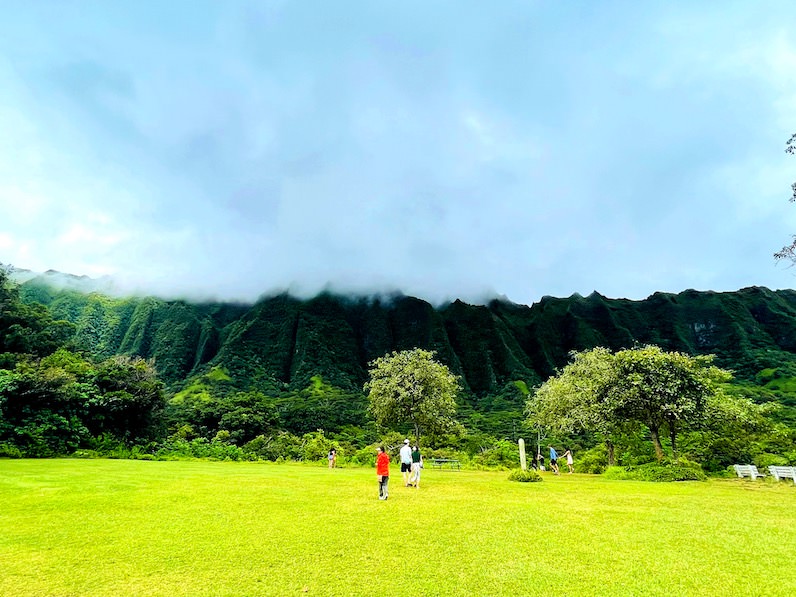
(406, 461)
(540, 459)
(332, 458)
(568, 456)
(417, 464)
(382, 471)
(553, 460)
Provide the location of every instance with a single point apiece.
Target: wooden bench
(783, 472)
(443, 462)
(747, 470)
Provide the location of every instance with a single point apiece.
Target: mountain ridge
(280, 342)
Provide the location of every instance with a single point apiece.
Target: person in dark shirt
(417, 464)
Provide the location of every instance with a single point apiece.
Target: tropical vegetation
(87, 374)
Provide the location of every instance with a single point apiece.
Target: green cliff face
(281, 342)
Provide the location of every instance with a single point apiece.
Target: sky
(445, 150)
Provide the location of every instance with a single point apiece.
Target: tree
(129, 401)
(664, 390)
(43, 407)
(737, 430)
(578, 398)
(411, 387)
(242, 415)
(245, 415)
(26, 329)
(54, 405)
(608, 392)
(789, 251)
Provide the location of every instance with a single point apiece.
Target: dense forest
(283, 374)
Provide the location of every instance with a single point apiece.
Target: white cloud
(445, 157)
(89, 238)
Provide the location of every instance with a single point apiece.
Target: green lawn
(110, 527)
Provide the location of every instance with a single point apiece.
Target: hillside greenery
(283, 378)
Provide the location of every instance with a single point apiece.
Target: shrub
(365, 456)
(281, 445)
(219, 450)
(175, 448)
(764, 460)
(593, 461)
(140, 453)
(10, 451)
(529, 476)
(222, 436)
(316, 446)
(656, 472)
(85, 454)
(502, 454)
(258, 447)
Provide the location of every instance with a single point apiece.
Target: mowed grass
(111, 527)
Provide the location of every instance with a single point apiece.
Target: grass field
(112, 527)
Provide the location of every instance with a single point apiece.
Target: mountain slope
(280, 342)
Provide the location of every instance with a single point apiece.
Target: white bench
(783, 472)
(747, 470)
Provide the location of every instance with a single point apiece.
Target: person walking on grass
(553, 460)
(332, 458)
(406, 461)
(382, 471)
(568, 456)
(417, 464)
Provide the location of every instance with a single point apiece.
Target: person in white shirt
(570, 463)
(406, 461)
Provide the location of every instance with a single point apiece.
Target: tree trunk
(610, 445)
(656, 441)
(417, 435)
(672, 438)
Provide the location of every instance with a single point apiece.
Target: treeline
(54, 400)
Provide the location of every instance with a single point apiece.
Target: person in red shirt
(382, 471)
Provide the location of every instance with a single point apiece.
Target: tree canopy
(53, 400)
(56, 404)
(603, 392)
(27, 329)
(411, 387)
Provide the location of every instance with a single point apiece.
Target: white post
(521, 442)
